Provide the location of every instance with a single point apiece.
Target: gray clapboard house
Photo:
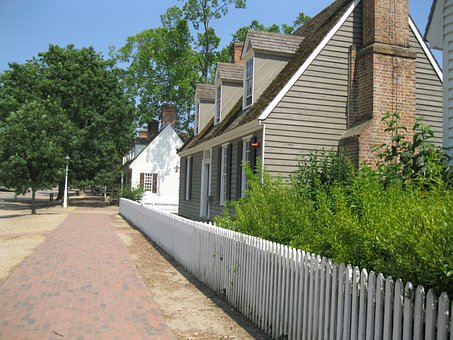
(439, 33)
(325, 86)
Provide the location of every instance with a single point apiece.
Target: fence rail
(292, 294)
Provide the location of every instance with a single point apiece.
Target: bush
(396, 219)
(134, 194)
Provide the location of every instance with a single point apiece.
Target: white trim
(244, 90)
(307, 63)
(426, 49)
(248, 137)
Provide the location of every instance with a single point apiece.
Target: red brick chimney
(168, 115)
(236, 53)
(143, 134)
(382, 78)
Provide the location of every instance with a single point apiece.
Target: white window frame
(246, 141)
(223, 175)
(148, 181)
(248, 79)
(188, 178)
(218, 102)
(197, 119)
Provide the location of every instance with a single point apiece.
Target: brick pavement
(79, 284)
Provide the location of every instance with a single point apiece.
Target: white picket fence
(292, 294)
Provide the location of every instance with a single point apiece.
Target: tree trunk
(60, 190)
(33, 201)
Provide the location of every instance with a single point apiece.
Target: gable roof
(168, 126)
(273, 42)
(205, 92)
(315, 30)
(318, 32)
(231, 72)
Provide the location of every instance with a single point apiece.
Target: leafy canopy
(95, 114)
(161, 68)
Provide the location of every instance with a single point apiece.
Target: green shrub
(134, 194)
(396, 219)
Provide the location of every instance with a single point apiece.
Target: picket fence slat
(291, 294)
(398, 301)
(408, 311)
(419, 312)
(442, 317)
(430, 315)
(388, 309)
(361, 332)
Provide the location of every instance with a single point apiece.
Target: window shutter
(228, 171)
(219, 174)
(190, 176)
(253, 154)
(154, 183)
(142, 180)
(185, 176)
(239, 171)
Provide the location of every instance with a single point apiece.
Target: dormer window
(248, 88)
(218, 97)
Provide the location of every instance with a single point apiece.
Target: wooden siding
(266, 68)
(428, 91)
(231, 92)
(448, 69)
(206, 113)
(216, 208)
(190, 208)
(312, 115)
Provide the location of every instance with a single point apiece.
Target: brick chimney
(236, 53)
(153, 129)
(142, 134)
(168, 115)
(382, 78)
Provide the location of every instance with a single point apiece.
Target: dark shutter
(253, 154)
(228, 171)
(186, 165)
(219, 174)
(142, 180)
(154, 183)
(239, 171)
(190, 176)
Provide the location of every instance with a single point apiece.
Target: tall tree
(32, 152)
(201, 13)
(89, 93)
(161, 68)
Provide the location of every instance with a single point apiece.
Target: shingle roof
(274, 42)
(206, 92)
(232, 72)
(314, 30)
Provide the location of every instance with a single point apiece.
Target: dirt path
(189, 309)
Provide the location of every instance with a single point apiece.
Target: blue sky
(27, 27)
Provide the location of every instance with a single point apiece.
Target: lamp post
(65, 195)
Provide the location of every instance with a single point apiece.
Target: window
(218, 97)
(223, 175)
(197, 119)
(245, 160)
(248, 83)
(188, 184)
(148, 182)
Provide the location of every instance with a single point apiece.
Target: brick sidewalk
(79, 284)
